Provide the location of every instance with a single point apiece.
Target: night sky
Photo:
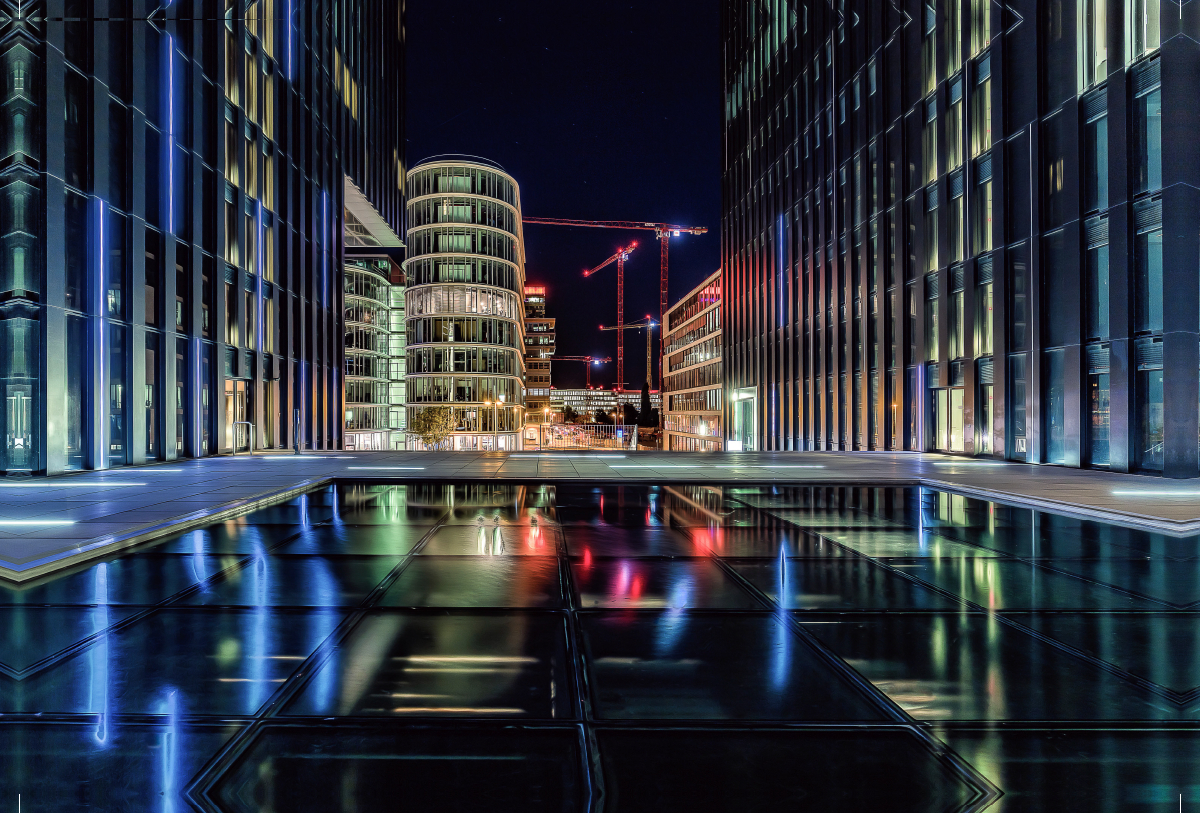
(601, 111)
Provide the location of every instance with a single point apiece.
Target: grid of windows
(693, 386)
(465, 256)
(171, 255)
(927, 259)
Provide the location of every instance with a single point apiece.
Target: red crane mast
(663, 231)
(589, 359)
(619, 258)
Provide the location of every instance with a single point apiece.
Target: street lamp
(496, 423)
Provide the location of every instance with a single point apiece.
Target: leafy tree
(629, 415)
(602, 417)
(433, 425)
(570, 415)
(647, 415)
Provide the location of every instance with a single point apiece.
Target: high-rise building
(539, 347)
(949, 227)
(173, 186)
(465, 269)
(693, 388)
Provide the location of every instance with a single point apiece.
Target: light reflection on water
(664, 603)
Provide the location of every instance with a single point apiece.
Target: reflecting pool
(508, 647)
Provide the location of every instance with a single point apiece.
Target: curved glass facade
(374, 312)
(466, 273)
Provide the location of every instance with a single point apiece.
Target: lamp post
(545, 420)
(487, 403)
(496, 423)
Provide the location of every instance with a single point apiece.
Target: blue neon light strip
(171, 132)
(100, 329)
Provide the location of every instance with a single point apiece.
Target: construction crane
(663, 231)
(647, 325)
(591, 361)
(619, 258)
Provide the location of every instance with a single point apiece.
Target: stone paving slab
(51, 523)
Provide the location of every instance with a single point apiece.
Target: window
(929, 142)
(1095, 159)
(1096, 284)
(1142, 32)
(931, 230)
(1098, 406)
(931, 329)
(981, 110)
(1148, 267)
(954, 127)
(1018, 299)
(981, 209)
(981, 25)
(958, 215)
(983, 319)
(958, 332)
(929, 50)
(954, 33)
(1093, 42)
(1056, 141)
(1056, 433)
(1150, 414)
(1147, 131)
(1016, 399)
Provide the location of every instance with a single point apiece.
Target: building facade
(587, 402)
(693, 388)
(539, 347)
(375, 339)
(465, 269)
(964, 226)
(173, 178)
(374, 329)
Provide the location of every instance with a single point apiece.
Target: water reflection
(475, 635)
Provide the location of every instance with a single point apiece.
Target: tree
(647, 415)
(629, 415)
(602, 417)
(570, 415)
(433, 425)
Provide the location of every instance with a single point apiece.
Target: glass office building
(949, 227)
(465, 269)
(540, 345)
(693, 385)
(173, 196)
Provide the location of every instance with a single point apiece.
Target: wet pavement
(571, 647)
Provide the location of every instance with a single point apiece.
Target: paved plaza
(47, 524)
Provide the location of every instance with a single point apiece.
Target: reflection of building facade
(588, 402)
(374, 297)
(465, 272)
(539, 347)
(692, 382)
(172, 238)
(964, 232)
(373, 294)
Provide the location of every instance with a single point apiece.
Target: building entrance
(948, 418)
(745, 415)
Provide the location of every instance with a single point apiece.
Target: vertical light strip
(325, 249)
(171, 133)
(261, 269)
(101, 287)
(289, 41)
(197, 404)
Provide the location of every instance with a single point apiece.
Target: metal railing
(587, 436)
(236, 445)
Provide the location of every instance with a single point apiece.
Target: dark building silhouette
(966, 226)
(173, 180)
